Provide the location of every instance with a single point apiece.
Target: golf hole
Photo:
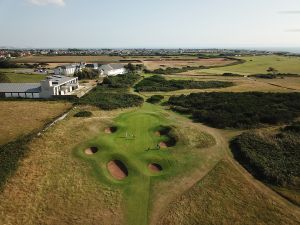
(117, 169)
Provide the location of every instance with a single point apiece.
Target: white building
(69, 70)
(52, 86)
(112, 70)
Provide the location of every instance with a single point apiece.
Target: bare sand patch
(91, 150)
(117, 169)
(154, 167)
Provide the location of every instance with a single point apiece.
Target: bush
(239, 110)
(274, 158)
(159, 83)
(83, 114)
(155, 99)
(121, 81)
(107, 99)
(87, 74)
(231, 75)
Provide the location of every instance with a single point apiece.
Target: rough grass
(226, 197)
(52, 186)
(22, 117)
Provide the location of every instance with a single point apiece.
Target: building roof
(60, 79)
(109, 67)
(20, 88)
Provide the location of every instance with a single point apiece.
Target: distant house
(52, 86)
(69, 70)
(112, 69)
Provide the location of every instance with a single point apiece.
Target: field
(148, 164)
(256, 65)
(51, 168)
(241, 84)
(66, 59)
(22, 117)
(179, 63)
(15, 76)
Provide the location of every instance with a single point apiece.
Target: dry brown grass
(179, 63)
(53, 186)
(22, 117)
(224, 196)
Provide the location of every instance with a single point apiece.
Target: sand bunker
(91, 150)
(117, 169)
(110, 130)
(154, 167)
(171, 137)
(163, 130)
(163, 145)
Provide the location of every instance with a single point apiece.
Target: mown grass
(224, 196)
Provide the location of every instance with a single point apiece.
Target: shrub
(83, 114)
(106, 99)
(239, 110)
(159, 83)
(87, 74)
(155, 99)
(121, 81)
(274, 158)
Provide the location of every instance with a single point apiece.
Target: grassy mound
(272, 157)
(159, 83)
(238, 110)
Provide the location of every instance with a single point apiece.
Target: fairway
(258, 64)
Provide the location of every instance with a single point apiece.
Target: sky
(149, 23)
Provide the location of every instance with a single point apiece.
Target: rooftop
(60, 79)
(109, 67)
(20, 88)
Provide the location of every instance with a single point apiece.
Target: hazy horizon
(230, 24)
